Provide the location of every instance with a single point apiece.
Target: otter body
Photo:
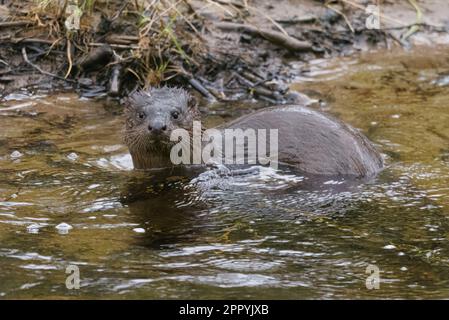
(308, 140)
(314, 142)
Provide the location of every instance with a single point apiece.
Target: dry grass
(153, 40)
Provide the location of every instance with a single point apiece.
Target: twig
(199, 87)
(118, 46)
(120, 10)
(305, 19)
(343, 15)
(219, 95)
(255, 89)
(8, 24)
(25, 57)
(267, 93)
(252, 77)
(275, 37)
(69, 58)
(248, 7)
(189, 23)
(245, 81)
(30, 40)
(121, 39)
(422, 24)
(221, 7)
(134, 74)
(277, 25)
(228, 3)
(415, 28)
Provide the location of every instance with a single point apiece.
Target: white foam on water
(116, 162)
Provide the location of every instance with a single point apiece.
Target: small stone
(389, 247)
(404, 269)
(72, 156)
(33, 228)
(139, 230)
(16, 154)
(63, 228)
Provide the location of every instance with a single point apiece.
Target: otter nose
(157, 127)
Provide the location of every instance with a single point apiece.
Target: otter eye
(141, 115)
(175, 114)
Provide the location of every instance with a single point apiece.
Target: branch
(275, 37)
(25, 57)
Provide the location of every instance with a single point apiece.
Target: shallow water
(68, 197)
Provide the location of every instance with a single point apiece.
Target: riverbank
(225, 50)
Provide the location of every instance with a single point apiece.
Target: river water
(68, 197)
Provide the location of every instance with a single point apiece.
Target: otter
(308, 140)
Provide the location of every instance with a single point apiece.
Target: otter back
(314, 142)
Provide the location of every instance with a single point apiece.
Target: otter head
(152, 115)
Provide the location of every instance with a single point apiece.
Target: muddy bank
(225, 50)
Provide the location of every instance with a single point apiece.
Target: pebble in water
(33, 228)
(72, 156)
(16, 154)
(139, 230)
(389, 247)
(63, 228)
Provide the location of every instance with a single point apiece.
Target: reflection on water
(68, 196)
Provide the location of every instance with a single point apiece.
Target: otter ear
(192, 103)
